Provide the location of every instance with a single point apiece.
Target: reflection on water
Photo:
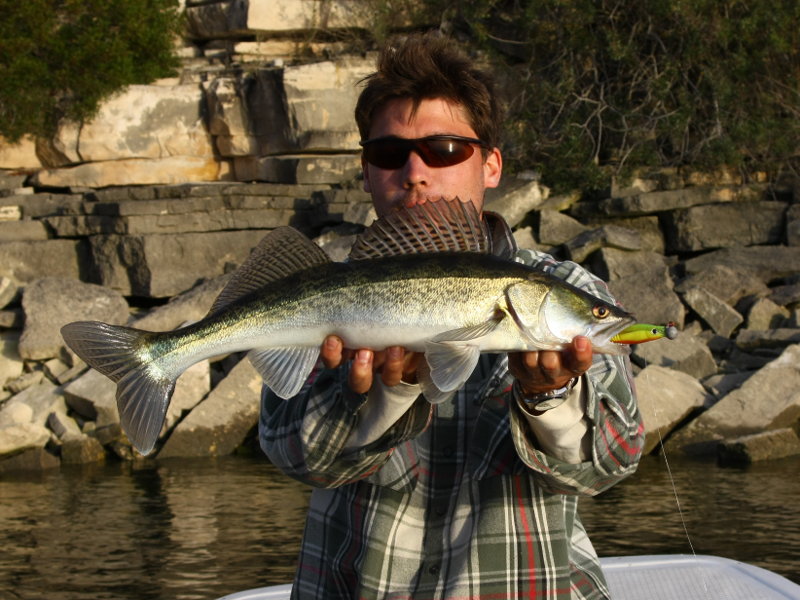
(748, 514)
(202, 529)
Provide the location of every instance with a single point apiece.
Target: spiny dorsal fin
(436, 226)
(280, 253)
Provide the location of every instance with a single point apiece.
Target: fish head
(552, 313)
(568, 311)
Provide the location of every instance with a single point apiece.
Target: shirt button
(434, 570)
(448, 451)
(440, 510)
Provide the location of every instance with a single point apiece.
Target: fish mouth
(602, 333)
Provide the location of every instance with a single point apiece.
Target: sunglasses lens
(444, 152)
(387, 154)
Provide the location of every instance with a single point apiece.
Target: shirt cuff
(385, 405)
(563, 432)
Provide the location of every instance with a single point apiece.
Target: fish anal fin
(280, 253)
(284, 370)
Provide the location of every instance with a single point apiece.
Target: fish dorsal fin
(435, 226)
(280, 253)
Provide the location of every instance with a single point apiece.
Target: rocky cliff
(138, 216)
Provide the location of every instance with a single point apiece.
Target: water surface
(200, 529)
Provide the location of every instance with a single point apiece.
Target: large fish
(423, 278)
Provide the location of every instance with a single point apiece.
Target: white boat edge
(653, 577)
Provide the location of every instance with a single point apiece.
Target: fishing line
(675, 494)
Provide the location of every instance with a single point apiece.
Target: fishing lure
(644, 332)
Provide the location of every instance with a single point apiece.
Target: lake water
(201, 529)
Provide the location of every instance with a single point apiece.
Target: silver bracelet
(544, 400)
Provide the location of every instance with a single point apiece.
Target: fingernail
(363, 356)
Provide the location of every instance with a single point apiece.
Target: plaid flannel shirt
(454, 500)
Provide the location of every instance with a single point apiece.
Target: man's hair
(421, 67)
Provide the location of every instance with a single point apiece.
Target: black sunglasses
(435, 150)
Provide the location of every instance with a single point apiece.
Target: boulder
(11, 365)
(770, 399)
(32, 405)
(23, 262)
(161, 266)
(606, 236)
(93, 396)
(768, 263)
(187, 307)
(52, 302)
(721, 317)
(769, 445)
(666, 397)
(20, 437)
(220, 423)
(32, 459)
(765, 314)
(687, 353)
(82, 450)
(192, 386)
(556, 228)
(727, 283)
(515, 199)
(641, 282)
(723, 225)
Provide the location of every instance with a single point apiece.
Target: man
(475, 497)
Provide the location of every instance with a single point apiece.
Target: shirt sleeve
(612, 443)
(320, 436)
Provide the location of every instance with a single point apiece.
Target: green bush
(600, 87)
(60, 58)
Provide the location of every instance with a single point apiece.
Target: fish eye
(600, 311)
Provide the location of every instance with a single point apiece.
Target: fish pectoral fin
(284, 370)
(451, 363)
(432, 394)
(471, 332)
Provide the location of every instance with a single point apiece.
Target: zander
(423, 278)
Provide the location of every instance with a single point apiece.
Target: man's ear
(492, 168)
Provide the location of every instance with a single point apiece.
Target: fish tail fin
(143, 393)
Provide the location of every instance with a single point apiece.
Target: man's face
(416, 182)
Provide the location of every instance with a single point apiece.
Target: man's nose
(415, 171)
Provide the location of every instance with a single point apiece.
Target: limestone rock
(52, 302)
(765, 314)
(33, 459)
(298, 168)
(11, 364)
(192, 386)
(770, 399)
(219, 424)
(187, 307)
(607, 236)
(133, 171)
(666, 397)
(21, 155)
(147, 121)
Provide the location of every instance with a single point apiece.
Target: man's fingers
(332, 351)
(361, 371)
(393, 361)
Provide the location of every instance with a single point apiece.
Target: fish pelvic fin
(281, 253)
(142, 395)
(434, 226)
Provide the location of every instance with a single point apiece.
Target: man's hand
(547, 370)
(394, 364)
